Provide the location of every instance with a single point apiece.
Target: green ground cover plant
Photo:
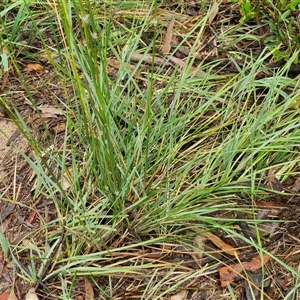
(152, 157)
(281, 20)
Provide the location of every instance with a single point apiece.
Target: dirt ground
(7, 128)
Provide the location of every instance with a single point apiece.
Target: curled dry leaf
(29, 245)
(5, 64)
(34, 68)
(113, 62)
(229, 273)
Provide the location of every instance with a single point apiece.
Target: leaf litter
(34, 68)
(230, 272)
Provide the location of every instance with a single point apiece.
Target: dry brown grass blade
(4, 80)
(89, 291)
(214, 11)
(147, 59)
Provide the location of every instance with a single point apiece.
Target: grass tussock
(150, 155)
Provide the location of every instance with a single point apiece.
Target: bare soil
(7, 128)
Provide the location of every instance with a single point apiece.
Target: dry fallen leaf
(266, 228)
(8, 296)
(67, 179)
(180, 296)
(6, 223)
(273, 182)
(34, 67)
(221, 244)
(4, 296)
(256, 262)
(31, 295)
(31, 216)
(6, 209)
(196, 72)
(114, 65)
(168, 37)
(229, 273)
(51, 111)
(113, 62)
(296, 186)
(6, 276)
(59, 128)
(200, 243)
(89, 291)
